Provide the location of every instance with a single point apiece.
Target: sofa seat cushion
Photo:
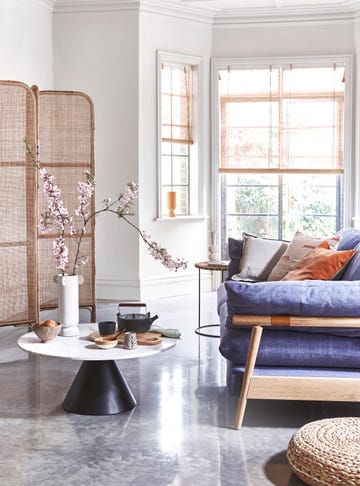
(292, 348)
(295, 298)
(235, 373)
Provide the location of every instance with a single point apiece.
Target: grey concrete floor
(180, 434)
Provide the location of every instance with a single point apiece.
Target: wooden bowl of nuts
(47, 330)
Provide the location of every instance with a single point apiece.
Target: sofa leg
(249, 369)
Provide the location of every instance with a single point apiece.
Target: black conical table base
(99, 388)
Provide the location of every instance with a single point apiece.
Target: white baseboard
(149, 288)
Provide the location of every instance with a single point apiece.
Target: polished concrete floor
(180, 434)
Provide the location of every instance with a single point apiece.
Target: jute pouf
(327, 452)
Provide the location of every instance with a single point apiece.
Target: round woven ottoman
(327, 452)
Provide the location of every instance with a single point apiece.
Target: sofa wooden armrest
(291, 387)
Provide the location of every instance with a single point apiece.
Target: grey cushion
(258, 258)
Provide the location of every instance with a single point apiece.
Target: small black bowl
(106, 328)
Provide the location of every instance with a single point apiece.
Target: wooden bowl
(45, 333)
(106, 343)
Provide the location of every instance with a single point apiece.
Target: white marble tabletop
(81, 348)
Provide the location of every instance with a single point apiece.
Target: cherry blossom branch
(57, 216)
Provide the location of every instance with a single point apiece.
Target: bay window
(280, 151)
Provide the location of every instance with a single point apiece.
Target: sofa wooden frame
(290, 387)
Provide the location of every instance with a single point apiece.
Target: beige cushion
(258, 257)
(298, 249)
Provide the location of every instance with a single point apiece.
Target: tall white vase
(68, 303)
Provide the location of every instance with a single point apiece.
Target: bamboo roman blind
(282, 119)
(176, 88)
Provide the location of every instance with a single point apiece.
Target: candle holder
(171, 203)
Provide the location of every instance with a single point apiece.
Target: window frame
(298, 61)
(196, 149)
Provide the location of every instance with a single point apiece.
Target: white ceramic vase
(68, 303)
(213, 249)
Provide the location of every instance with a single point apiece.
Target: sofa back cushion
(349, 238)
(298, 249)
(320, 264)
(258, 258)
(352, 271)
(234, 252)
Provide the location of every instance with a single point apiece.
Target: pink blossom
(160, 253)
(61, 253)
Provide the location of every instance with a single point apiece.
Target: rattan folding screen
(18, 206)
(62, 124)
(66, 150)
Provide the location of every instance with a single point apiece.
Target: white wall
(98, 53)
(26, 43)
(279, 40)
(185, 239)
(112, 57)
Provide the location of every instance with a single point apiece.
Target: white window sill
(181, 218)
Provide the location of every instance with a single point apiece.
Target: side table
(222, 267)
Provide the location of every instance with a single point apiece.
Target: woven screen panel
(66, 150)
(18, 203)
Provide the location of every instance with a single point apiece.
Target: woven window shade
(176, 88)
(18, 203)
(66, 150)
(282, 120)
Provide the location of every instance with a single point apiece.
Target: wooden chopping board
(142, 338)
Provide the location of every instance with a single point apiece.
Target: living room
(110, 50)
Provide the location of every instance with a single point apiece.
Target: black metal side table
(210, 266)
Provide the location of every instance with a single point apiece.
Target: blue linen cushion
(350, 237)
(234, 252)
(292, 348)
(352, 270)
(298, 298)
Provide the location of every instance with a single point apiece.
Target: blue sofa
(295, 351)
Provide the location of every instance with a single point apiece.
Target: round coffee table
(99, 388)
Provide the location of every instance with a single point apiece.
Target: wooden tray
(142, 338)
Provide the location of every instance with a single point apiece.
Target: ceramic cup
(106, 328)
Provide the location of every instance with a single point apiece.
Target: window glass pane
(251, 203)
(182, 199)
(180, 170)
(175, 176)
(310, 204)
(166, 170)
(314, 79)
(248, 81)
(252, 199)
(264, 226)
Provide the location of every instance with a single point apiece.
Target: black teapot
(134, 322)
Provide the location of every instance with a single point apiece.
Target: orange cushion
(320, 264)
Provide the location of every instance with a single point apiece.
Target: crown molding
(47, 4)
(178, 10)
(197, 11)
(160, 7)
(233, 19)
(286, 15)
(76, 6)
